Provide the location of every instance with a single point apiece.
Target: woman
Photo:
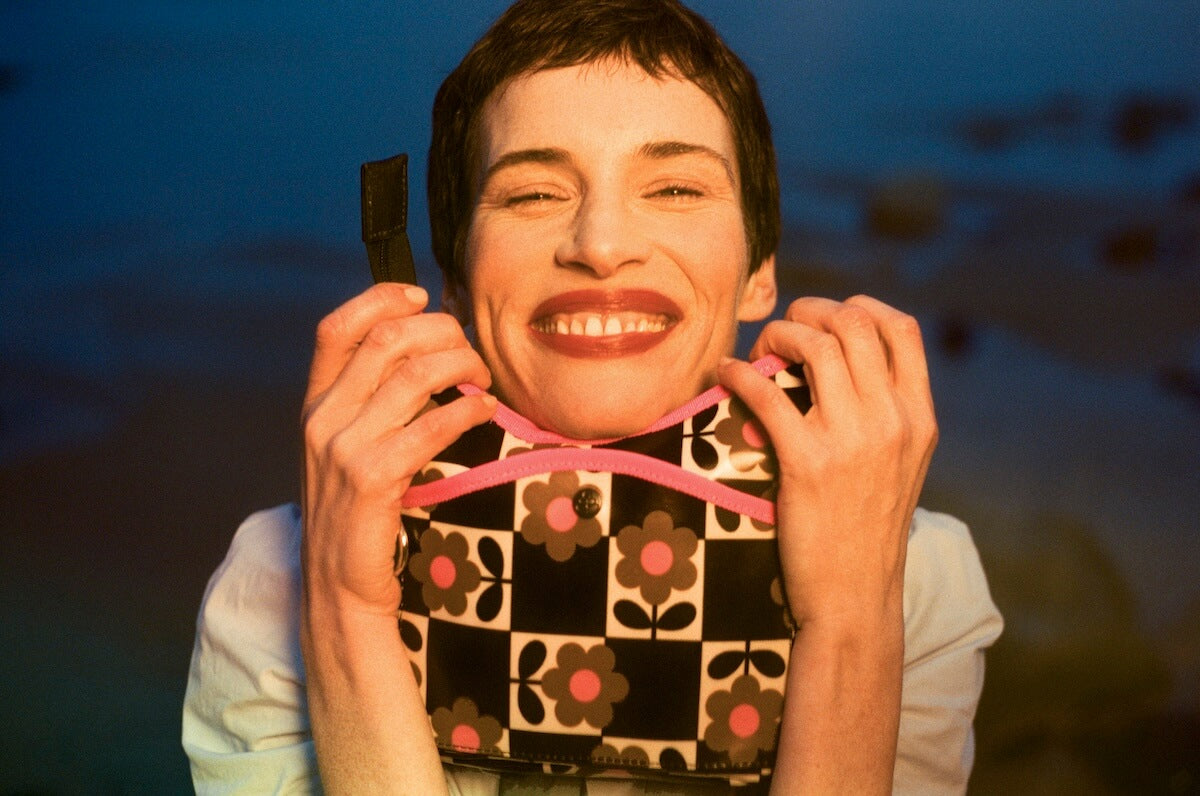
(605, 212)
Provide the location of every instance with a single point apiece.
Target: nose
(604, 236)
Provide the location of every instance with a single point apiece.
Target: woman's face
(606, 256)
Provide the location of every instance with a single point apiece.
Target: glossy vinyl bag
(578, 606)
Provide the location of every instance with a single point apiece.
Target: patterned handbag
(615, 604)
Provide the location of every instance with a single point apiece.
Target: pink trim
(597, 460)
(524, 429)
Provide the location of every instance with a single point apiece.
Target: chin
(599, 414)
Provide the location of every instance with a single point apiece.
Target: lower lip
(616, 345)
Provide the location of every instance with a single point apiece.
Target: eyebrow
(663, 150)
(654, 150)
(548, 156)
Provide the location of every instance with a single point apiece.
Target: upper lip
(608, 301)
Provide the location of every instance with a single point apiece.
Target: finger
(413, 382)
(821, 354)
(379, 468)
(811, 305)
(856, 329)
(910, 371)
(902, 335)
(391, 344)
(340, 333)
(768, 403)
(435, 430)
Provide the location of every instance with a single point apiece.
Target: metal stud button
(587, 502)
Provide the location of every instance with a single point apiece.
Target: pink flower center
(585, 685)
(752, 435)
(443, 572)
(743, 720)
(465, 737)
(560, 514)
(657, 557)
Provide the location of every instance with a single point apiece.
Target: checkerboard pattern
(577, 620)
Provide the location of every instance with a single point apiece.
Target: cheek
(496, 253)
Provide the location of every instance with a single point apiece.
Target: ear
(455, 303)
(760, 293)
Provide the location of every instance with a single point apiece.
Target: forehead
(600, 108)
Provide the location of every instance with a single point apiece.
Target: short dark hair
(661, 36)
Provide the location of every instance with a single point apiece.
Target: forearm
(369, 724)
(842, 708)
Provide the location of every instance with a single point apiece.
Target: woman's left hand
(851, 471)
(852, 467)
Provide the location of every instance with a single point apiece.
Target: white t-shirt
(245, 717)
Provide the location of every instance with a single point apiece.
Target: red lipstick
(603, 323)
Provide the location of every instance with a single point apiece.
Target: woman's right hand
(378, 359)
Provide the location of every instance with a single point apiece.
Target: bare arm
(378, 360)
(851, 472)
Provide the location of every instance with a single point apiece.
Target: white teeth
(597, 325)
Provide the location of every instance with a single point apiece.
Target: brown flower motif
(552, 520)
(584, 686)
(445, 574)
(462, 728)
(744, 720)
(536, 446)
(748, 442)
(656, 557)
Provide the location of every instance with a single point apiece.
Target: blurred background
(179, 206)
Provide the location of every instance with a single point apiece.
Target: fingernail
(489, 400)
(726, 360)
(416, 295)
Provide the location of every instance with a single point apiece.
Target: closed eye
(677, 192)
(530, 197)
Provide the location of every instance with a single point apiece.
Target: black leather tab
(385, 219)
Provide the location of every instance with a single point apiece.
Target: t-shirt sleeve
(949, 620)
(245, 719)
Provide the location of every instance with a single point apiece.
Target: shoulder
(949, 620)
(252, 604)
(267, 540)
(946, 593)
(245, 723)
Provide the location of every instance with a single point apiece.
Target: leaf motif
(532, 658)
(704, 454)
(729, 520)
(490, 602)
(631, 614)
(769, 663)
(701, 419)
(416, 673)
(530, 706)
(411, 636)
(491, 556)
(725, 664)
(677, 617)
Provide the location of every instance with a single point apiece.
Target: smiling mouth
(589, 323)
(595, 324)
